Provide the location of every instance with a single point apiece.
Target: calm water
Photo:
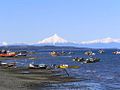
(104, 75)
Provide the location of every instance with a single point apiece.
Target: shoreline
(12, 79)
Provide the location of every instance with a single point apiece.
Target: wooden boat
(10, 54)
(53, 53)
(12, 64)
(22, 53)
(65, 66)
(116, 52)
(92, 60)
(89, 53)
(40, 66)
(78, 59)
(101, 51)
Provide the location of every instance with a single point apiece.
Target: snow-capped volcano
(53, 40)
(104, 40)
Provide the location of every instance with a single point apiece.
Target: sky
(74, 20)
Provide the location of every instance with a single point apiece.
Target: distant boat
(22, 53)
(53, 53)
(116, 52)
(5, 53)
(90, 53)
(78, 59)
(92, 60)
(101, 51)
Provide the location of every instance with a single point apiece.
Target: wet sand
(20, 79)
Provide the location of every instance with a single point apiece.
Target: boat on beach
(39, 66)
(11, 64)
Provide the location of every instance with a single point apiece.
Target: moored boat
(65, 66)
(5, 53)
(101, 51)
(39, 66)
(78, 59)
(116, 52)
(89, 53)
(11, 64)
(22, 53)
(92, 60)
(53, 53)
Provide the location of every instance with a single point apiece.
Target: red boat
(10, 54)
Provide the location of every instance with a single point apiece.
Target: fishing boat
(65, 66)
(53, 53)
(22, 53)
(89, 53)
(92, 60)
(116, 52)
(11, 64)
(78, 59)
(39, 66)
(5, 53)
(101, 51)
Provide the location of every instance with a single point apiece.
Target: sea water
(103, 75)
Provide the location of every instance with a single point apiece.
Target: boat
(5, 53)
(22, 53)
(53, 53)
(65, 66)
(63, 53)
(101, 51)
(89, 53)
(39, 66)
(11, 64)
(116, 52)
(78, 59)
(69, 53)
(92, 60)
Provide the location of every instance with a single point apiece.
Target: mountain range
(56, 40)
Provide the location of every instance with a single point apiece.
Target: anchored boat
(78, 59)
(92, 60)
(65, 66)
(5, 53)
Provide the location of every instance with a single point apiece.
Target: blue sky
(75, 20)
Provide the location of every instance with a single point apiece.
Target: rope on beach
(66, 72)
